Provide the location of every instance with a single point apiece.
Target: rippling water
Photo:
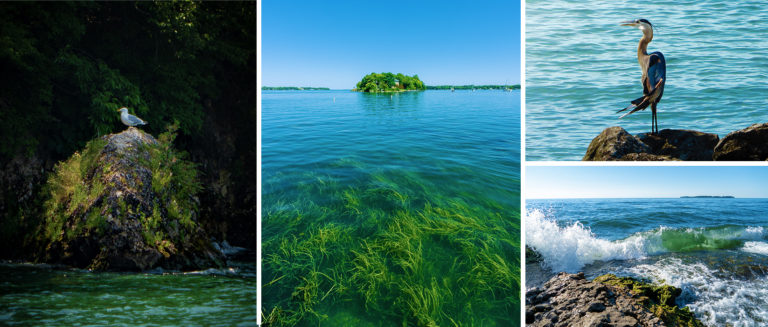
(715, 250)
(581, 67)
(395, 209)
(43, 295)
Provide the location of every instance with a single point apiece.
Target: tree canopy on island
(388, 82)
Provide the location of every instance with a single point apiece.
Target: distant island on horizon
(707, 197)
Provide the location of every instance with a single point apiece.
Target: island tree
(388, 82)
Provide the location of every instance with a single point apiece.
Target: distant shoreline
(474, 87)
(294, 88)
(428, 87)
(707, 197)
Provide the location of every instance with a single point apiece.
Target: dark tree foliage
(67, 67)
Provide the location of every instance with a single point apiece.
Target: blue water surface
(581, 66)
(463, 140)
(616, 219)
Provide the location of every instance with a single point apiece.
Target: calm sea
(377, 206)
(581, 67)
(716, 250)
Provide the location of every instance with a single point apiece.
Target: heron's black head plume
(642, 20)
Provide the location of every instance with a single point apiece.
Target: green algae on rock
(659, 299)
(126, 202)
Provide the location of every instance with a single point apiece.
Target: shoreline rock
(126, 202)
(616, 144)
(572, 300)
(750, 144)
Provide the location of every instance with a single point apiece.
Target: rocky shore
(572, 300)
(616, 144)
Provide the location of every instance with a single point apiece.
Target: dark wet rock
(122, 205)
(615, 144)
(572, 300)
(531, 256)
(646, 157)
(685, 145)
(612, 144)
(596, 307)
(749, 144)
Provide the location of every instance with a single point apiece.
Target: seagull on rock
(128, 119)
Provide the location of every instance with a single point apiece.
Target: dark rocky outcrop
(748, 144)
(126, 202)
(615, 144)
(684, 145)
(612, 144)
(572, 300)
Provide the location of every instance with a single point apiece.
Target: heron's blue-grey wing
(657, 70)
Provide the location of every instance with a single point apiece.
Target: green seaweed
(388, 248)
(659, 299)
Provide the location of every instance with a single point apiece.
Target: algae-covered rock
(126, 202)
(659, 299)
(572, 300)
(746, 144)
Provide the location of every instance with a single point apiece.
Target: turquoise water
(581, 67)
(397, 209)
(715, 250)
(37, 295)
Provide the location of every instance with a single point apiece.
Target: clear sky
(644, 182)
(335, 43)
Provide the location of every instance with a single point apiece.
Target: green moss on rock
(127, 201)
(659, 299)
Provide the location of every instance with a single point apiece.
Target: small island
(707, 197)
(388, 82)
(294, 88)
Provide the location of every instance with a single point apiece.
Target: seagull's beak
(628, 23)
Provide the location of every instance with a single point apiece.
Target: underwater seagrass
(387, 247)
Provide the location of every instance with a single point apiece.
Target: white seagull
(128, 119)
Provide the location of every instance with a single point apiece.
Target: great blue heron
(654, 74)
(128, 119)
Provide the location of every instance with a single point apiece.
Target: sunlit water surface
(581, 67)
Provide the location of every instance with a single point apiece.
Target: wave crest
(569, 248)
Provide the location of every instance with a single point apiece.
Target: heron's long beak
(628, 23)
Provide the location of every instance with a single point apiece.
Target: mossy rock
(659, 299)
(126, 202)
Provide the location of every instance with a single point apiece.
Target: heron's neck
(642, 48)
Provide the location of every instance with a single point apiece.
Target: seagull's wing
(136, 120)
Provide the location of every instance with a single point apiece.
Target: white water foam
(714, 300)
(756, 247)
(570, 248)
